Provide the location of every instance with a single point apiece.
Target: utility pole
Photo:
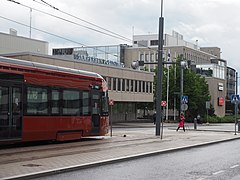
(236, 103)
(159, 74)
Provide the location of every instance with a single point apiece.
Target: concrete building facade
(127, 87)
(145, 48)
(12, 43)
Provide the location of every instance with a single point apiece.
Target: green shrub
(225, 119)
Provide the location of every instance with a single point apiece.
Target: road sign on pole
(184, 107)
(111, 102)
(184, 99)
(234, 98)
(164, 103)
(208, 104)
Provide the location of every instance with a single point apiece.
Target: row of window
(129, 85)
(44, 101)
(211, 70)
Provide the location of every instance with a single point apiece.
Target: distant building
(207, 59)
(231, 82)
(127, 87)
(215, 74)
(12, 43)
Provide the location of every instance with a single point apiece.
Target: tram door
(10, 112)
(95, 104)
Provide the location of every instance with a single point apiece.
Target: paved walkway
(124, 144)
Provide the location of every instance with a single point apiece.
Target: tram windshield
(105, 104)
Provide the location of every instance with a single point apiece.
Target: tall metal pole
(159, 74)
(181, 84)
(236, 83)
(236, 103)
(175, 75)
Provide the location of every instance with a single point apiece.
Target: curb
(113, 160)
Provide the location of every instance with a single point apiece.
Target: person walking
(181, 123)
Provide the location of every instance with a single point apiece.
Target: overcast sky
(211, 22)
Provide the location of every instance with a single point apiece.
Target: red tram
(46, 102)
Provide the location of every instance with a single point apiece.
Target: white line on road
(218, 172)
(202, 178)
(234, 166)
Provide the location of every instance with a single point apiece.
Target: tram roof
(48, 67)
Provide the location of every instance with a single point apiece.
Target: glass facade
(211, 70)
(107, 55)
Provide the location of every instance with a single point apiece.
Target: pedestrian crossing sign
(234, 98)
(184, 99)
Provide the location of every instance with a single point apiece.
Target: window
(143, 86)
(153, 42)
(152, 57)
(105, 104)
(139, 86)
(127, 85)
(55, 109)
(151, 89)
(146, 57)
(114, 84)
(71, 102)
(136, 85)
(37, 101)
(147, 87)
(85, 103)
(123, 84)
(4, 105)
(109, 81)
(131, 85)
(95, 102)
(119, 84)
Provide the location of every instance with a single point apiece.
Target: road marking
(218, 172)
(202, 178)
(234, 166)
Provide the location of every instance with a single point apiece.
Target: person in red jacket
(181, 123)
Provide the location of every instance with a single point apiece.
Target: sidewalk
(125, 144)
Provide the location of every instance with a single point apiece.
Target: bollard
(195, 123)
(238, 125)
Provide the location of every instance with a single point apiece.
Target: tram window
(55, 102)
(4, 103)
(37, 101)
(71, 102)
(85, 103)
(105, 104)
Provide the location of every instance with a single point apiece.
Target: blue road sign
(184, 99)
(234, 98)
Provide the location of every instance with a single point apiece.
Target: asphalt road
(219, 161)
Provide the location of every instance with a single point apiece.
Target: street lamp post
(159, 74)
(183, 65)
(236, 103)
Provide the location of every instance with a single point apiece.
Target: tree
(194, 86)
